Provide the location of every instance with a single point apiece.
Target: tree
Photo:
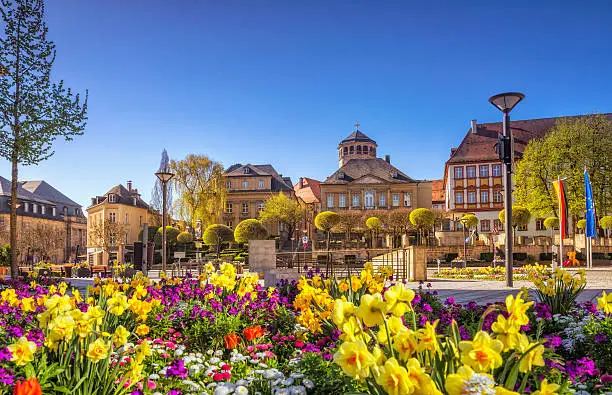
(563, 153)
(469, 220)
(217, 234)
(422, 219)
(184, 238)
(200, 187)
(34, 111)
(520, 217)
(282, 209)
(581, 224)
(606, 224)
(375, 225)
(398, 222)
(551, 223)
(105, 234)
(348, 221)
(325, 221)
(157, 199)
(250, 229)
(171, 235)
(43, 240)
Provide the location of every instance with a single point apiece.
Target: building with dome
(364, 181)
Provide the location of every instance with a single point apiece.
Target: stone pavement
(485, 291)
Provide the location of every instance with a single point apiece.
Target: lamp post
(463, 221)
(164, 174)
(505, 102)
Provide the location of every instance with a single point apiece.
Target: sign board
(179, 255)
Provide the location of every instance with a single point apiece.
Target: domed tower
(356, 146)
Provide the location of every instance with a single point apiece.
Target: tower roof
(357, 136)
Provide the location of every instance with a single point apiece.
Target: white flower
(209, 352)
(214, 360)
(154, 376)
(241, 390)
(242, 382)
(298, 390)
(178, 352)
(263, 365)
(222, 390)
(287, 382)
(218, 353)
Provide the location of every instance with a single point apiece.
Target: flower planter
(3, 270)
(81, 272)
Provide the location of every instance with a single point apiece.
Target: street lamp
(505, 102)
(164, 174)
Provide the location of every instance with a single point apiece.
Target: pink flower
(151, 384)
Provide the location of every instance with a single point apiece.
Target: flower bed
(221, 334)
(525, 273)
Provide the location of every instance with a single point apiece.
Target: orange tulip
(231, 341)
(28, 387)
(253, 332)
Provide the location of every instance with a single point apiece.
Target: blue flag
(590, 207)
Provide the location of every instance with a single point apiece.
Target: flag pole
(560, 263)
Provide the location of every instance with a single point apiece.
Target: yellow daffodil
(142, 330)
(98, 350)
(481, 354)
(28, 305)
(503, 391)
(394, 379)
(143, 350)
(604, 303)
(61, 328)
(117, 304)
(506, 331)
(455, 382)
(517, 309)
(355, 359)
(395, 326)
(120, 337)
(342, 311)
(405, 343)
(372, 309)
(343, 286)
(22, 351)
(533, 357)
(547, 388)
(428, 339)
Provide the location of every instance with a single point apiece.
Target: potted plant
(81, 269)
(5, 259)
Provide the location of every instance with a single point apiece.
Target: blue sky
(282, 82)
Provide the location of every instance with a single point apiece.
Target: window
(126, 239)
(112, 198)
(140, 220)
(246, 170)
(342, 200)
(330, 200)
(407, 201)
(496, 170)
(458, 197)
(356, 201)
(358, 149)
(484, 196)
(395, 200)
(540, 224)
(352, 150)
(260, 206)
(245, 184)
(229, 224)
(345, 150)
(498, 225)
(522, 228)
(260, 184)
(369, 199)
(228, 207)
(34, 208)
(484, 171)
(485, 225)
(229, 185)
(365, 149)
(458, 172)
(112, 239)
(471, 172)
(43, 210)
(245, 207)
(112, 217)
(382, 200)
(127, 219)
(26, 207)
(54, 211)
(498, 197)
(471, 197)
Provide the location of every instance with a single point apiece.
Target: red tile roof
(481, 146)
(437, 191)
(308, 189)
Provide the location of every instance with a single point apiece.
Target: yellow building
(249, 186)
(50, 226)
(366, 182)
(124, 208)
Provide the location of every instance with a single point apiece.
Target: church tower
(356, 146)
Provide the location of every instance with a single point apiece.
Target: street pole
(508, 201)
(164, 227)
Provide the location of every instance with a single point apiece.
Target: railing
(343, 263)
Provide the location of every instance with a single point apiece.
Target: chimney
(129, 185)
(94, 201)
(474, 127)
(388, 158)
(301, 183)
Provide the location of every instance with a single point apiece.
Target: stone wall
(262, 258)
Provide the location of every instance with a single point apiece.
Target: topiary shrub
(250, 229)
(217, 234)
(486, 256)
(519, 256)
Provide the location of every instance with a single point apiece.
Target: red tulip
(253, 332)
(28, 387)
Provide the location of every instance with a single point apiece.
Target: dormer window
(112, 198)
(365, 149)
(247, 170)
(394, 174)
(341, 175)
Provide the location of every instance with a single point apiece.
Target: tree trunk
(13, 219)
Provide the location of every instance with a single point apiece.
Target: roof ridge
(546, 118)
